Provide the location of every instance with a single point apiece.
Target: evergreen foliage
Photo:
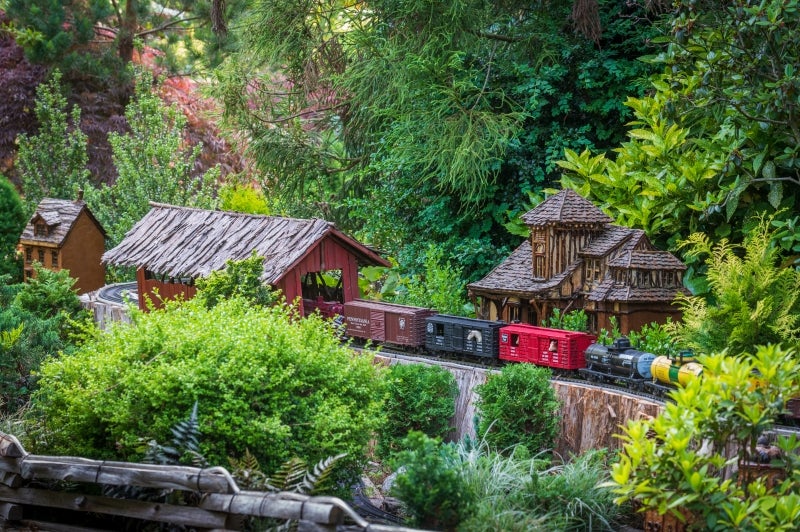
(427, 122)
(12, 223)
(53, 161)
(431, 486)
(153, 165)
(38, 319)
(518, 407)
(264, 381)
(239, 279)
(754, 299)
(439, 286)
(420, 398)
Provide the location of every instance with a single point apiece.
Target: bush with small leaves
(420, 398)
(430, 485)
(264, 380)
(518, 406)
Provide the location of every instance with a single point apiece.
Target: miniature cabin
(575, 259)
(173, 246)
(64, 235)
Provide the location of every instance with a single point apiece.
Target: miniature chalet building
(64, 235)
(576, 259)
(172, 246)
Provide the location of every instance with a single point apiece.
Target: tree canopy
(716, 142)
(427, 121)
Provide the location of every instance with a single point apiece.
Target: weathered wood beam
(10, 446)
(119, 473)
(149, 511)
(275, 505)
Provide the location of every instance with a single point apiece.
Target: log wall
(591, 416)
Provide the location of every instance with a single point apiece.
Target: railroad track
(460, 363)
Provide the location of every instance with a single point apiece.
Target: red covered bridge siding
(172, 246)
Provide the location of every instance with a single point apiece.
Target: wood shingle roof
(189, 242)
(514, 276)
(59, 215)
(567, 207)
(648, 260)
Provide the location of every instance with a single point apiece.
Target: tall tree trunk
(127, 31)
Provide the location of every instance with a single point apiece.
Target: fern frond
(247, 472)
(316, 480)
(289, 476)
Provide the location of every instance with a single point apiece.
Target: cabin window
(28, 255)
(54, 258)
(593, 270)
(538, 235)
(538, 270)
(40, 229)
(513, 313)
(41, 256)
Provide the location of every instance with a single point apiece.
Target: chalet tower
(575, 259)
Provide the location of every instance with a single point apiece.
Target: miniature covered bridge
(173, 246)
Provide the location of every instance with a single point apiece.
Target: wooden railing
(220, 504)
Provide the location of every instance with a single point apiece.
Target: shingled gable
(65, 235)
(568, 208)
(189, 242)
(59, 215)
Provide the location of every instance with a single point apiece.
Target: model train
(565, 352)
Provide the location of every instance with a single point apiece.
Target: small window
(41, 256)
(553, 347)
(440, 329)
(39, 229)
(514, 340)
(54, 258)
(539, 266)
(28, 255)
(513, 313)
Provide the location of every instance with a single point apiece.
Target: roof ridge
(155, 204)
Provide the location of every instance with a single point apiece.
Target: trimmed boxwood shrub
(421, 398)
(264, 381)
(518, 406)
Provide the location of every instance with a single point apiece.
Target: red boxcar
(386, 322)
(553, 348)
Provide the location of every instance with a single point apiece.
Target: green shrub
(37, 319)
(262, 379)
(12, 222)
(518, 406)
(575, 320)
(421, 398)
(440, 286)
(681, 462)
(240, 278)
(516, 492)
(431, 485)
